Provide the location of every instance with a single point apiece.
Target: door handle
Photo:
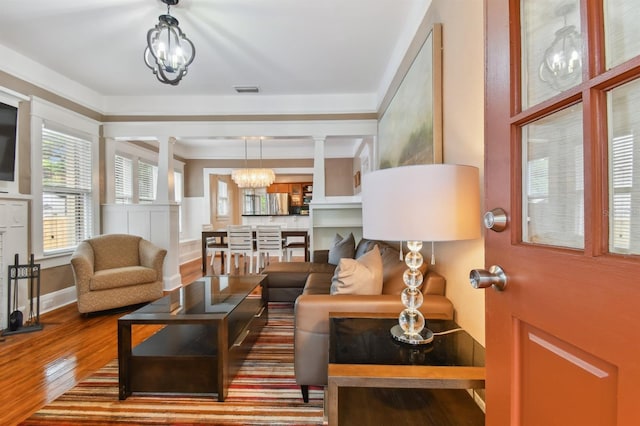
(494, 277)
(495, 219)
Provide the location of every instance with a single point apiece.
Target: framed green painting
(410, 128)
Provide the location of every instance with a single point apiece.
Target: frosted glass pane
(553, 180)
(624, 169)
(622, 37)
(551, 48)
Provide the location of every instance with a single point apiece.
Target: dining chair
(268, 241)
(239, 241)
(294, 244)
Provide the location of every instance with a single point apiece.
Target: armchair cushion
(122, 277)
(121, 252)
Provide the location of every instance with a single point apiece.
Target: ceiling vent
(247, 89)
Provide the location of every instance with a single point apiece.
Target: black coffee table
(363, 354)
(209, 327)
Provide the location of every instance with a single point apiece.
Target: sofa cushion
(122, 277)
(318, 283)
(342, 248)
(364, 245)
(287, 274)
(358, 276)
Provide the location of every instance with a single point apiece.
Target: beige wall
(193, 171)
(338, 176)
(463, 143)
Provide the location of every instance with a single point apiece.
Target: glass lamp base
(424, 337)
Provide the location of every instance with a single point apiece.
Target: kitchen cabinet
(296, 194)
(278, 187)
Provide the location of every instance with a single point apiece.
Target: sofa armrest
(320, 256)
(82, 265)
(152, 256)
(312, 310)
(311, 332)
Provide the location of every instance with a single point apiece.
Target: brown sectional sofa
(309, 283)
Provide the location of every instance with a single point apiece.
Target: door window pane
(553, 180)
(624, 169)
(552, 54)
(622, 37)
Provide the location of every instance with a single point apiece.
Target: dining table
(221, 235)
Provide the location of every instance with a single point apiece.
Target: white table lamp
(433, 202)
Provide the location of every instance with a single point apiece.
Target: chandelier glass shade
(169, 52)
(253, 177)
(561, 66)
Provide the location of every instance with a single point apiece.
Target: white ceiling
(323, 56)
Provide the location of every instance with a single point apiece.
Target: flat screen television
(8, 131)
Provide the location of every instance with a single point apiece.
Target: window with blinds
(621, 191)
(147, 180)
(66, 190)
(223, 198)
(124, 180)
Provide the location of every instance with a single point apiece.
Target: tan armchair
(116, 270)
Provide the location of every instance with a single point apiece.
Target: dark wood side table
(362, 354)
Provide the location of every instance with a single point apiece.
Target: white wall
(463, 143)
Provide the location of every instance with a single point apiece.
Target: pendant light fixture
(169, 52)
(253, 177)
(561, 65)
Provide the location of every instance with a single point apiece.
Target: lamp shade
(433, 202)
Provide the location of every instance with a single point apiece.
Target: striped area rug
(264, 392)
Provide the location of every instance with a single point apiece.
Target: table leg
(124, 356)
(332, 402)
(204, 254)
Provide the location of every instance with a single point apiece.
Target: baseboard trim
(57, 299)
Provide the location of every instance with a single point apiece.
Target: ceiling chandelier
(255, 177)
(561, 65)
(169, 52)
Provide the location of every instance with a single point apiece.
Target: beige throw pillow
(359, 276)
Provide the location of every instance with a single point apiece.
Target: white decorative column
(318, 170)
(168, 236)
(109, 166)
(165, 191)
(157, 222)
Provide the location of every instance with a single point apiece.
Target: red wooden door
(563, 338)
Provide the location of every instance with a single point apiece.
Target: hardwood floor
(37, 367)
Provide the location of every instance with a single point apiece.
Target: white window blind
(621, 188)
(66, 190)
(147, 180)
(223, 198)
(124, 180)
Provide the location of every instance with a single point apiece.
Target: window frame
(59, 119)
